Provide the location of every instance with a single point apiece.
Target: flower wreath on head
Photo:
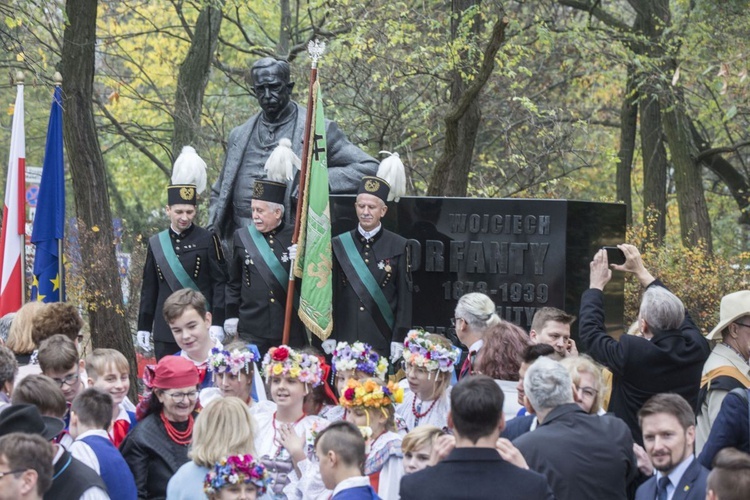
(359, 356)
(420, 351)
(370, 393)
(236, 469)
(235, 362)
(283, 361)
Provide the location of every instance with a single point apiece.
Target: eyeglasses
(589, 392)
(179, 396)
(741, 324)
(67, 380)
(454, 320)
(3, 474)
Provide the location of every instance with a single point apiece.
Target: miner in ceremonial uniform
(280, 124)
(259, 273)
(183, 256)
(372, 294)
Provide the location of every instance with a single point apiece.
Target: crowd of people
(521, 416)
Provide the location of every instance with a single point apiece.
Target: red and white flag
(14, 217)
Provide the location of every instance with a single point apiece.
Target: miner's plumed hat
(271, 191)
(374, 186)
(188, 178)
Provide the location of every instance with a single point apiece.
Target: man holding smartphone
(668, 358)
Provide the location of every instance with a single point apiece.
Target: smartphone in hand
(615, 255)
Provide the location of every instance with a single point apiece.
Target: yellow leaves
(95, 229)
(20, 57)
(11, 109)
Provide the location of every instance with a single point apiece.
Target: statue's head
(273, 89)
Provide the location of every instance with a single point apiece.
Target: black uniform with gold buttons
(200, 254)
(259, 306)
(384, 255)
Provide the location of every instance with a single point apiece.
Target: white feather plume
(283, 164)
(189, 168)
(391, 170)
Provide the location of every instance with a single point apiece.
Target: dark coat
(672, 361)
(474, 474)
(517, 426)
(72, 478)
(692, 485)
(152, 456)
(352, 321)
(249, 298)
(200, 253)
(583, 456)
(730, 428)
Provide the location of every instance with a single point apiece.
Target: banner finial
(315, 49)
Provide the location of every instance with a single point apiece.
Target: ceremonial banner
(13, 231)
(314, 262)
(49, 221)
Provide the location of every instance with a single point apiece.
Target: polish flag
(14, 217)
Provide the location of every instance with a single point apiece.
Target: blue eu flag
(49, 221)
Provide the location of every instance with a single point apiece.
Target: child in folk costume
(234, 372)
(285, 435)
(370, 407)
(353, 361)
(238, 476)
(429, 361)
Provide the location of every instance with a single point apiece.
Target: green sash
(363, 282)
(171, 268)
(266, 262)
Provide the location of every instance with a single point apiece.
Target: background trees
(640, 101)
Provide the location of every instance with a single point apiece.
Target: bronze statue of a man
(251, 144)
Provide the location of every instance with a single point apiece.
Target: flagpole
(22, 216)
(60, 257)
(315, 50)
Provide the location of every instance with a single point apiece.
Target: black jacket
(583, 456)
(672, 361)
(152, 457)
(249, 298)
(474, 474)
(385, 256)
(201, 255)
(72, 478)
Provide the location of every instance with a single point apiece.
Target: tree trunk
(103, 294)
(654, 172)
(628, 131)
(695, 225)
(451, 174)
(285, 29)
(193, 78)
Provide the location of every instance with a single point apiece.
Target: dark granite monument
(525, 254)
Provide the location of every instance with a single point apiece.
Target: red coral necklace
(414, 408)
(179, 437)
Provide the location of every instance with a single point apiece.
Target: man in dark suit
(668, 424)
(259, 273)
(371, 295)
(183, 256)
(669, 357)
(475, 469)
(583, 456)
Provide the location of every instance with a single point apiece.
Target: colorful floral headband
(359, 356)
(420, 351)
(221, 361)
(284, 361)
(236, 469)
(371, 394)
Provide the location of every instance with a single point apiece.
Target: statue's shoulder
(244, 127)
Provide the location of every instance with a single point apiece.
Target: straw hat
(733, 306)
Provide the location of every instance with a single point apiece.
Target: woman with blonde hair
(474, 315)
(417, 447)
(223, 428)
(20, 340)
(589, 383)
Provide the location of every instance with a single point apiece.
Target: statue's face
(272, 90)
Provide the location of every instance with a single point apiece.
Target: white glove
(216, 333)
(144, 340)
(328, 346)
(230, 326)
(397, 349)
(292, 252)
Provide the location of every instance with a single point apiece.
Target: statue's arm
(347, 164)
